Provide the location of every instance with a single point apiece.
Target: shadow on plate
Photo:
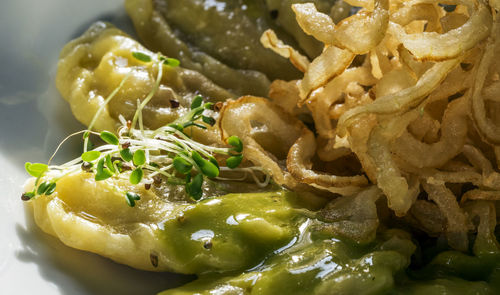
(119, 19)
(77, 272)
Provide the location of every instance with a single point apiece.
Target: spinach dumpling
(220, 39)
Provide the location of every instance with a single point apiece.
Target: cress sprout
(147, 156)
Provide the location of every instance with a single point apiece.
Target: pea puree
(232, 232)
(264, 244)
(316, 265)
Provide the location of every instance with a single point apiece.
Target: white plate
(33, 120)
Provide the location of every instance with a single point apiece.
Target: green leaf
(139, 158)
(100, 165)
(210, 170)
(208, 105)
(197, 101)
(27, 196)
(136, 176)
(209, 120)
(189, 124)
(214, 161)
(141, 56)
(126, 155)
(109, 138)
(234, 161)
(196, 113)
(117, 165)
(101, 172)
(42, 188)
(182, 165)
(176, 126)
(50, 189)
(173, 62)
(193, 186)
(104, 174)
(90, 156)
(36, 169)
(86, 134)
(198, 159)
(131, 198)
(235, 141)
(109, 163)
(207, 168)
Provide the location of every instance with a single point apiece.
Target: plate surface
(33, 120)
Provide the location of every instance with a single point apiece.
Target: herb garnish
(142, 156)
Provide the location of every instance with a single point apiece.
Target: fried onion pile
(405, 97)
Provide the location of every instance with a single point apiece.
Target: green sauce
(453, 272)
(232, 232)
(265, 244)
(316, 265)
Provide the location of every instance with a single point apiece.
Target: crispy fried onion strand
(321, 70)
(281, 145)
(435, 46)
(485, 241)
(358, 33)
(354, 217)
(456, 220)
(426, 216)
(334, 91)
(487, 128)
(266, 131)
(410, 93)
(400, 195)
(271, 41)
(299, 164)
(401, 101)
(453, 135)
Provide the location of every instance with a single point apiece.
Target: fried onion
(409, 92)
(358, 33)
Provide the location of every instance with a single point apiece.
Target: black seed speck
(86, 166)
(174, 104)
(207, 245)
(154, 259)
(25, 197)
(274, 13)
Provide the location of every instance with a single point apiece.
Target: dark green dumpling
(220, 39)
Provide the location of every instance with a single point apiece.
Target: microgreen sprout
(183, 161)
(91, 156)
(131, 198)
(136, 176)
(148, 157)
(172, 62)
(109, 137)
(141, 56)
(35, 170)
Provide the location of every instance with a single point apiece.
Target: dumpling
(226, 233)
(220, 39)
(92, 66)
